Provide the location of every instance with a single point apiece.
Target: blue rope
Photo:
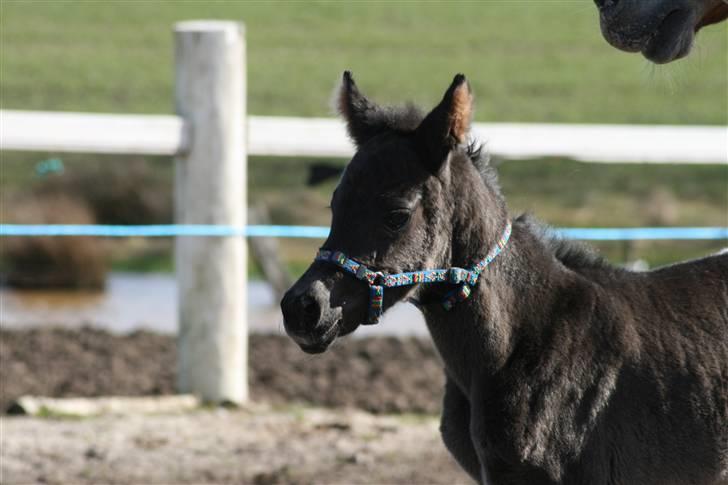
(320, 232)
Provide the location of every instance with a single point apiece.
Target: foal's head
(411, 198)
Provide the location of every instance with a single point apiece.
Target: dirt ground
(379, 375)
(258, 446)
(364, 412)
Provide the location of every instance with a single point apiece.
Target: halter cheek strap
(377, 280)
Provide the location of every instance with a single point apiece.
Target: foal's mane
(572, 254)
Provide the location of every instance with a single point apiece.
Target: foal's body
(560, 368)
(590, 378)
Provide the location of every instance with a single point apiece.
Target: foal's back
(682, 308)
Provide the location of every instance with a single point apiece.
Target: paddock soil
(378, 375)
(364, 412)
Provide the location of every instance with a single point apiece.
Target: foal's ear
(363, 120)
(447, 125)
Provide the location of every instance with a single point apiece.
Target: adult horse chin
(672, 40)
(662, 30)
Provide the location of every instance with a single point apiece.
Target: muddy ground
(379, 375)
(313, 419)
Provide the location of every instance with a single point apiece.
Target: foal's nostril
(311, 310)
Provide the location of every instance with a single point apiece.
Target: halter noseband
(378, 280)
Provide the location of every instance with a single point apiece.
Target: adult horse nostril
(311, 310)
(606, 4)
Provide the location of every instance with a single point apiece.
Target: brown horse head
(662, 30)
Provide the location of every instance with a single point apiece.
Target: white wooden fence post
(210, 188)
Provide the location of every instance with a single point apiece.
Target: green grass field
(527, 61)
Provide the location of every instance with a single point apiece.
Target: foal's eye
(397, 219)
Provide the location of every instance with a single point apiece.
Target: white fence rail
(48, 131)
(320, 137)
(208, 140)
(323, 137)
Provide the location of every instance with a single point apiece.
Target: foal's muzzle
(308, 317)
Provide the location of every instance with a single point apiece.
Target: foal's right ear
(363, 120)
(447, 125)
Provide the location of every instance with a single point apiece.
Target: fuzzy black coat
(561, 369)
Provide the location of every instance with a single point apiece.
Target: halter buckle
(458, 275)
(378, 278)
(362, 272)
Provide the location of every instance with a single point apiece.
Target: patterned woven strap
(377, 281)
(376, 303)
(451, 275)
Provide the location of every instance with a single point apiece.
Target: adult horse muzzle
(662, 30)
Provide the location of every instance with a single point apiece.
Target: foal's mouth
(324, 341)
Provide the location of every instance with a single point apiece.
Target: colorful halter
(378, 280)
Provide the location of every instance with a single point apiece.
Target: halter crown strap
(377, 280)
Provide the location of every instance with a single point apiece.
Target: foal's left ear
(447, 125)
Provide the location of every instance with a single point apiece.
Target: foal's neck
(478, 335)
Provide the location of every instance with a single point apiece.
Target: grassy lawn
(527, 61)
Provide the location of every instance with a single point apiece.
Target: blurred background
(526, 61)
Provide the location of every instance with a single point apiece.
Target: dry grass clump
(661, 207)
(127, 192)
(52, 262)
